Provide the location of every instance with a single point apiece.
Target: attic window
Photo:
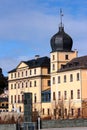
(76, 63)
(62, 66)
(69, 65)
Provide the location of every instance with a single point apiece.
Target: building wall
(66, 101)
(25, 79)
(46, 109)
(59, 58)
(84, 84)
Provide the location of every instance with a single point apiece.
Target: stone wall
(8, 127)
(64, 123)
(52, 124)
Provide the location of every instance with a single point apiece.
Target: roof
(61, 41)
(4, 99)
(76, 63)
(39, 62)
(46, 91)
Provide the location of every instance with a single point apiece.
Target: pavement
(72, 128)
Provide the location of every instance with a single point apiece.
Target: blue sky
(26, 27)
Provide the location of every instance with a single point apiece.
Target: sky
(26, 27)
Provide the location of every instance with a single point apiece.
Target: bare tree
(63, 108)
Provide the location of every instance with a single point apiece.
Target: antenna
(61, 15)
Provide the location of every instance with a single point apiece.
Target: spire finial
(61, 15)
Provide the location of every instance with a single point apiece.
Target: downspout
(81, 91)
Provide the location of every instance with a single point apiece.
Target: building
(68, 77)
(58, 84)
(30, 76)
(4, 101)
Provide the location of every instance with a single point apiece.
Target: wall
(73, 123)
(64, 123)
(8, 127)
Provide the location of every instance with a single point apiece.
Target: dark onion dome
(61, 41)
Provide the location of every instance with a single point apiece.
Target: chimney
(37, 56)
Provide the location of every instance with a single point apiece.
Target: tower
(61, 45)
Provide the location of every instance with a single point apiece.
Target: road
(72, 128)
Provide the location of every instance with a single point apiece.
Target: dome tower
(61, 41)
(61, 44)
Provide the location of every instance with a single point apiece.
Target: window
(30, 72)
(15, 98)
(20, 108)
(78, 77)
(71, 94)
(15, 86)
(22, 74)
(53, 66)
(35, 84)
(22, 98)
(53, 80)
(26, 84)
(66, 57)
(65, 112)
(11, 76)
(22, 85)
(54, 96)
(30, 84)
(58, 79)
(18, 74)
(2, 105)
(72, 111)
(59, 95)
(65, 95)
(43, 111)
(78, 112)
(15, 75)
(18, 85)
(53, 57)
(18, 98)
(59, 112)
(11, 98)
(11, 86)
(34, 71)
(48, 82)
(78, 94)
(48, 111)
(35, 98)
(6, 105)
(71, 77)
(45, 96)
(64, 78)
(26, 72)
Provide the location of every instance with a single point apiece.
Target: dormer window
(76, 63)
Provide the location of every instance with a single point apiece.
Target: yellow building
(58, 84)
(30, 76)
(68, 77)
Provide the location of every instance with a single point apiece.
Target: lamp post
(39, 123)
